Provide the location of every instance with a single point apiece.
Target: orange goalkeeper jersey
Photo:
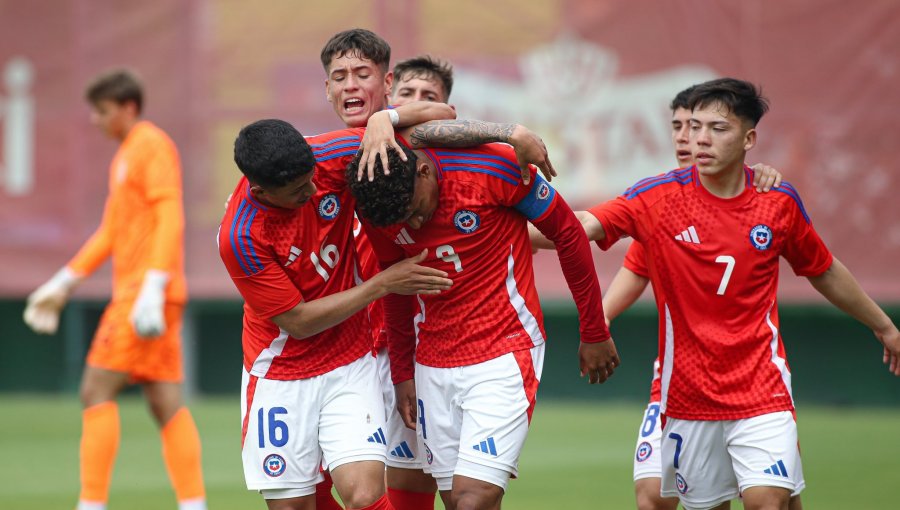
(143, 219)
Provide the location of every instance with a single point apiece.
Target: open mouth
(353, 105)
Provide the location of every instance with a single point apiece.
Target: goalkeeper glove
(148, 313)
(45, 304)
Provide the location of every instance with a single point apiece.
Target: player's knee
(361, 496)
(476, 498)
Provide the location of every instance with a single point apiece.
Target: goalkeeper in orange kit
(138, 339)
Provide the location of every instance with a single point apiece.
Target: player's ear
(257, 191)
(423, 169)
(327, 95)
(749, 139)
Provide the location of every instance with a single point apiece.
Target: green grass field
(577, 456)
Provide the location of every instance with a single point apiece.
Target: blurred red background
(593, 78)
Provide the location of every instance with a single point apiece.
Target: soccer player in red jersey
(628, 284)
(479, 350)
(710, 239)
(308, 383)
(357, 83)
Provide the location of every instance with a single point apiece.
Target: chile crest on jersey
(329, 206)
(761, 237)
(466, 221)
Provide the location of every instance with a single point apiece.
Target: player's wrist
(65, 279)
(155, 281)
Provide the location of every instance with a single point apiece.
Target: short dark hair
(741, 97)
(358, 42)
(386, 199)
(425, 67)
(272, 153)
(119, 85)
(682, 99)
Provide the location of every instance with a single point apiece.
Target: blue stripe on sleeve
(479, 171)
(255, 260)
(504, 164)
(682, 176)
(325, 150)
(532, 206)
(234, 239)
(336, 140)
(336, 155)
(789, 190)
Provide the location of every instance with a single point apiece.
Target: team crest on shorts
(429, 457)
(761, 237)
(329, 207)
(680, 484)
(274, 465)
(466, 221)
(543, 191)
(644, 451)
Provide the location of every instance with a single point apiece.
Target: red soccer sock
(408, 500)
(181, 453)
(99, 444)
(382, 504)
(324, 498)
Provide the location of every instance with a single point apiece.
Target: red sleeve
(636, 260)
(804, 249)
(333, 152)
(399, 310)
(258, 277)
(618, 219)
(562, 227)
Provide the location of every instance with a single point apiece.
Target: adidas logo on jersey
(378, 437)
(402, 451)
(403, 237)
(777, 469)
(688, 235)
(486, 446)
(295, 252)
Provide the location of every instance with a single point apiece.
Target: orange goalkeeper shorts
(117, 347)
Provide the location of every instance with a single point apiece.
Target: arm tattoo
(459, 133)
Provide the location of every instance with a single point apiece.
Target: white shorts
(290, 427)
(705, 463)
(402, 445)
(647, 452)
(473, 419)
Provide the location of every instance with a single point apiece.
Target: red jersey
(478, 235)
(636, 262)
(279, 257)
(368, 265)
(714, 267)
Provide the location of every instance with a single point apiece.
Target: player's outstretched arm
(597, 353)
(622, 292)
(530, 149)
(405, 277)
(592, 228)
(379, 136)
(839, 286)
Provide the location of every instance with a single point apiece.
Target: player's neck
(727, 183)
(127, 127)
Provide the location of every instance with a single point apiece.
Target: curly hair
(272, 153)
(387, 198)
